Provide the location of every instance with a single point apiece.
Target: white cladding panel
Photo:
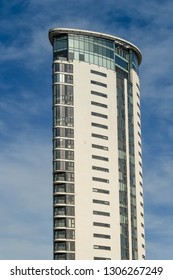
(84, 183)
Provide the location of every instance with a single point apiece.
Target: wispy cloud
(158, 181)
(159, 236)
(25, 213)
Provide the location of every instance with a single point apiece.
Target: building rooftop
(126, 44)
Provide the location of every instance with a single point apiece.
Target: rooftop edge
(55, 31)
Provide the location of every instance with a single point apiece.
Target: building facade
(97, 159)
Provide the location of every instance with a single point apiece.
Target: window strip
(101, 201)
(102, 247)
(98, 168)
(99, 147)
(99, 115)
(100, 191)
(99, 136)
(101, 224)
(99, 104)
(99, 73)
(99, 94)
(101, 213)
(98, 83)
(100, 180)
(99, 125)
(100, 158)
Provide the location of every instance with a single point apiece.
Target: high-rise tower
(97, 160)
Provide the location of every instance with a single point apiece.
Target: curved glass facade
(94, 50)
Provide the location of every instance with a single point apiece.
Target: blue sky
(25, 114)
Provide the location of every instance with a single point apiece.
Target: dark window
(62, 78)
(101, 202)
(64, 222)
(101, 213)
(62, 94)
(61, 256)
(81, 57)
(63, 154)
(100, 191)
(98, 73)
(138, 105)
(69, 79)
(63, 132)
(64, 233)
(64, 245)
(138, 86)
(121, 72)
(98, 83)
(60, 42)
(64, 256)
(100, 180)
(60, 55)
(100, 158)
(102, 247)
(101, 236)
(98, 168)
(64, 199)
(60, 233)
(63, 143)
(138, 95)
(63, 165)
(101, 224)
(64, 187)
(99, 147)
(99, 104)
(61, 210)
(99, 125)
(99, 136)
(64, 210)
(99, 115)
(60, 222)
(61, 67)
(121, 62)
(64, 176)
(99, 94)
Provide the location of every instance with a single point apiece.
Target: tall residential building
(97, 159)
